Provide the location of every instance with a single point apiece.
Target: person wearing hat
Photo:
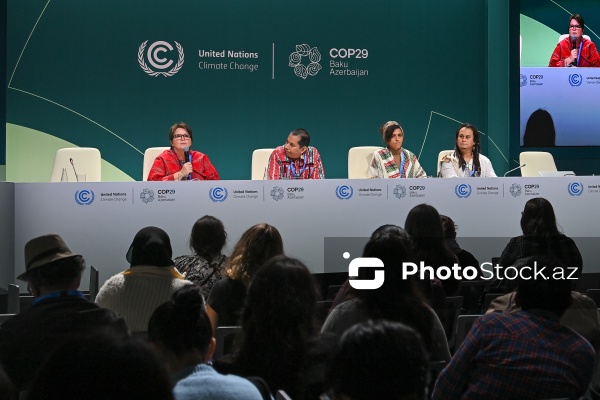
(59, 311)
(150, 281)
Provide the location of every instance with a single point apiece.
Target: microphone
(73, 165)
(514, 169)
(186, 157)
(573, 42)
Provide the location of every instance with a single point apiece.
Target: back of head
(181, 325)
(448, 227)
(534, 292)
(538, 218)
(423, 221)
(539, 131)
(61, 274)
(102, 367)
(258, 244)
(379, 360)
(208, 236)
(303, 136)
(151, 246)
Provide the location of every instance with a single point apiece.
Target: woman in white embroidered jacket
(393, 161)
(466, 160)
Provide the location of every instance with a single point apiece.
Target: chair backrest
(149, 156)
(4, 317)
(463, 326)
(86, 160)
(359, 159)
(13, 302)
(536, 161)
(222, 336)
(441, 156)
(260, 161)
(282, 395)
(453, 307)
(561, 37)
(94, 282)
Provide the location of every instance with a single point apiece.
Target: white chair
(561, 37)
(149, 156)
(536, 161)
(441, 156)
(359, 159)
(85, 160)
(260, 161)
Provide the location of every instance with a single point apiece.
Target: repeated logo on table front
(84, 197)
(218, 194)
(463, 190)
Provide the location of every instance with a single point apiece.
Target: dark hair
(182, 125)
(539, 131)
(181, 325)
(102, 367)
(538, 218)
(150, 246)
(387, 131)
(448, 227)
(390, 229)
(304, 137)
(379, 360)
(278, 321)
(476, 149)
(577, 18)
(258, 244)
(208, 237)
(550, 294)
(64, 271)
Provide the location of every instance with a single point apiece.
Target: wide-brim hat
(44, 250)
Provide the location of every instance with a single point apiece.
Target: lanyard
(293, 168)
(402, 163)
(58, 293)
(579, 52)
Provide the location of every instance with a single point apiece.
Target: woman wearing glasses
(180, 162)
(575, 50)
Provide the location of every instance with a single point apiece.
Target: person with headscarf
(150, 281)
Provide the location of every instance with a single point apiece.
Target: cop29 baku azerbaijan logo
(463, 190)
(160, 64)
(84, 197)
(344, 192)
(523, 80)
(147, 196)
(297, 61)
(515, 190)
(575, 189)
(276, 193)
(218, 194)
(575, 79)
(399, 191)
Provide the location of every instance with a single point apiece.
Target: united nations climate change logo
(84, 197)
(218, 194)
(276, 193)
(147, 196)
(156, 59)
(344, 192)
(523, 80)
(575, 188)
(399, 191)
(515, 190)
(463, 190)
(575, 79)
(302, 52)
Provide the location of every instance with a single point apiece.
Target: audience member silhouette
(181, 331)
(207, 265)
(226, 299)
(59, 312)
(539, 131)
(150, 281)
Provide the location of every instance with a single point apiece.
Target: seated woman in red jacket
(180, 162)
(581, 53)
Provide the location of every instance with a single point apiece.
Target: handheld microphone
(573, 42)
(73, 165)
(186, 157)
(514, 169)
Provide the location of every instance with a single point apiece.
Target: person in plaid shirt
(295, 159)
(526, 354)
(171, 165)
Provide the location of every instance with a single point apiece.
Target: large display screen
(559, 106)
